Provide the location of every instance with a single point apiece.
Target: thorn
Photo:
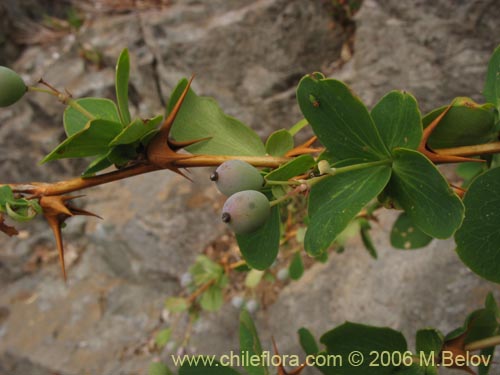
(79, 211)
(55, 225)
(432, 126)
(176, 145)
(438, 158)
(167, 124)
(304, 148)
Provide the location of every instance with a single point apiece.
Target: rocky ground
(249, 56)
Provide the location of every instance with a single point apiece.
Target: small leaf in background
(176, 304)
(135, 131)
(279, 143)
(398, 120)
(424, 194)
(121, 84)
(366, 237)
(204, 270)
(201, 117)
(163, 337)
(307, 341)
(92, 140)
(100, 108)
(294, 167)
(340, 120)
(478, 240)
(405, 235)
(250, 343)
(6, 195)
(466, 123)
(278, 191)
(336, 200)
(491, 89)
(158, 368)
(253, 278)
(351, 337)
(212, 298)
(260, 248)
(467, 171)
(296, 269)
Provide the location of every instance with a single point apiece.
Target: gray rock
(249, 56)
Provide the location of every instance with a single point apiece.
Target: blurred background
(249, 56)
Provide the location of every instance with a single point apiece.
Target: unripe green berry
(246, 211)
(12, 87)
(233, 176)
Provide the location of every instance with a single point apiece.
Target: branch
(473, 150)
(64, 187)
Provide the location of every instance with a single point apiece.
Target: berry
(233, 176)
(12, 87)
(246, 211)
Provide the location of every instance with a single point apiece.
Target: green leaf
(135, 131)
(366, 238)
(424, 194)
(484, 368)
(92, 140)
(491, 90)
(279, 143)
(158, 368)
(260, 248)
(296, 268)
(340, 120)
(121, 84)
(250, 343)
(98, 164)
(201, 117)
(405, 235)
(336, 200)
(205, 270)
(308, 342)
(100, 108)
(478, 240)
(478, 325)
(398, 120)
(350, 337)
(212, 299)
(429, 340)
(294, 167)
(253, 278)
(205, 366)
(163, 337)
(176, 304)
(20, 212)
(466, 123)
(6, 195)
(491, 304)
(468, 171)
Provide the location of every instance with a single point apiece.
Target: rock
(250, 57)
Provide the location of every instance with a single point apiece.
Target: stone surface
(249, 56)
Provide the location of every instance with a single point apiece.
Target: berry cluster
(246, 209)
